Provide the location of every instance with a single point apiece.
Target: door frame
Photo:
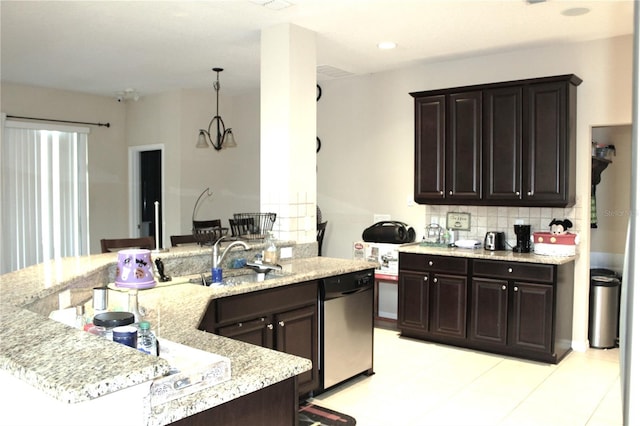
(134, 187)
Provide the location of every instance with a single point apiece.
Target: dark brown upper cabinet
(448, 148)
(510, 143)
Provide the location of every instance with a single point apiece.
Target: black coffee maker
(523, 238)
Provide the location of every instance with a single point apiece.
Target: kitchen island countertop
(73, 366)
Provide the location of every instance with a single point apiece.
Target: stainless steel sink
(205, 279)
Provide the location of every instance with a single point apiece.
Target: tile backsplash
(501, 219)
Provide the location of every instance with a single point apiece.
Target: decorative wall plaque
(459, 221)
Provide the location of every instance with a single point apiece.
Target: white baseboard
(390, 315)
(579, 346)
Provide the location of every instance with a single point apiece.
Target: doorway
(612, 210)
(146, 171)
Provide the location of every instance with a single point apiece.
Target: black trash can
(604, 309)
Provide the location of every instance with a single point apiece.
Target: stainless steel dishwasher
(346, 327)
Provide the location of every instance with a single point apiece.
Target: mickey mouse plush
(559, 227)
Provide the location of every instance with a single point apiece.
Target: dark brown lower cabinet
(513, 308)
(284, 318)
(522, 309)
(433, 304)
(447, 311)
(275, 405)
(516, 315)
(413, 303)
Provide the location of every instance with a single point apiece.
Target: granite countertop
(101, 367)
(481, 253)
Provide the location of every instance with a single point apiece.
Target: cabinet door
(413, 302)
(448, 307)
(489, 301)
(296, 334)
(429, 148)
(502, 144)
(257, 332)
(546, 154)
(531, 322)
(464, 147)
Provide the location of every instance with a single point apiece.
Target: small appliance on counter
(495, 241)
(523, 238)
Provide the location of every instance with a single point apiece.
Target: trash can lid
(605, 281)
(604, 272)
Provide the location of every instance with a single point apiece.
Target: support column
(288, 130)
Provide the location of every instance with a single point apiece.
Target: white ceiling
(103, 47)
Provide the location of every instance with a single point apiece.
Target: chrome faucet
(216, 259)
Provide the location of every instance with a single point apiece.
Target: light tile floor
(420, 383)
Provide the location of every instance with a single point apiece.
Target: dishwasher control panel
(346, 283)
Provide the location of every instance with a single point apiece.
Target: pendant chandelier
(223, 137)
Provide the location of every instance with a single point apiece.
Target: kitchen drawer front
(431, 263)
(246, 306)
(513, 270)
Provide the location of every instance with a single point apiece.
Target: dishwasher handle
(336, 294)
(354, 291)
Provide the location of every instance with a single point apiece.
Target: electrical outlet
(64, 299)
(381, 217)
(286, 252)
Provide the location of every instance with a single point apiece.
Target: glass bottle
(80, 318)
(271, 253)
(147, 341)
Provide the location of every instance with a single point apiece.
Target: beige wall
(170, 120)
(365, 166)
(366, 125)
(108, 191)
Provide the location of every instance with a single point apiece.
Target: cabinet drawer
(513, 270)
(431, 263)
(248, 306)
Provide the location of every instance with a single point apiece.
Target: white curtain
(44, 193)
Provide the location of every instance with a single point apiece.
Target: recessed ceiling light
(576, 11)
(385, 45)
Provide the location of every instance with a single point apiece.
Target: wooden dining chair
(181, 240)
(320, 235)
(109, 245)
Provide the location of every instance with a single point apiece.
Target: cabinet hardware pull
(270, 326)
(515, 289)
(504, 287)
(431, 263)
(281, 323)
(239, 324)
(510, 270)
(435, 280)
(450, 192)
(529, 192)
(441, 192)
(518, 193)
(425, 279)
